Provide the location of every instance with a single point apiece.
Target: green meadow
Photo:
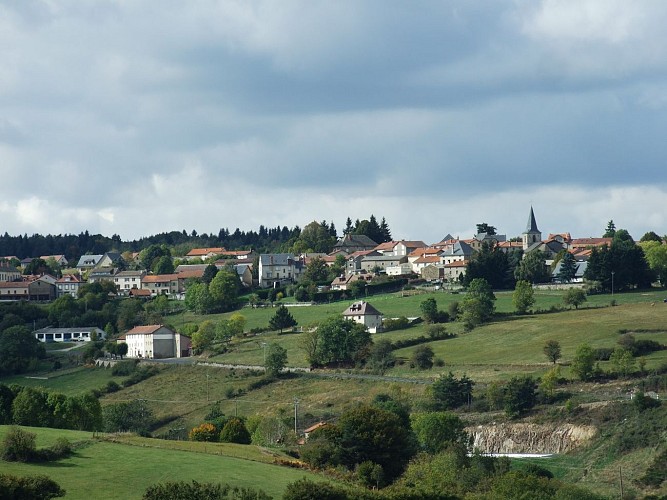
(121, 467)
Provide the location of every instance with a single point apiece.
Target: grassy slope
(123, 470)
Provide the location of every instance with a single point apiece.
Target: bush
(203, 432)
(140, 374)
(111, 387)
(29, 487)
(19, 445)
(124, 368)
(392, 324)
(602, 353)
(173, 490)
(422, 357)
(305, 489)
(235, 431)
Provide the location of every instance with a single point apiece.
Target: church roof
(531, 227)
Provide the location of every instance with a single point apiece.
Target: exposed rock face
(530, 438)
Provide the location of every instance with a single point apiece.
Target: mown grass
(66, 381)
(123, 468)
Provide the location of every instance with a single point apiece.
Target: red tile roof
(159, 278)
(144, 330)
(199, 252)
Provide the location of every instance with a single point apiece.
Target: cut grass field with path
(124, 469)
(67, 381)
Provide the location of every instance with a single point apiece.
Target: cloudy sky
(136, 117)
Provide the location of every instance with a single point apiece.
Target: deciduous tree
(523, 296)
(276, 359)
(552, 350)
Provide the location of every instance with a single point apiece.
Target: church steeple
(531, 235)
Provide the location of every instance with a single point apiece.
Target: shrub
(602, 353)
(422, 357)
(209, 491)
(111, 387)
(392, 324)
(124, 368)
(203, 432)
(29, 487)
(18, 445)
(235, 431)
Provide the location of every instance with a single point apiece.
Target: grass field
(125, 467)
(66, 381)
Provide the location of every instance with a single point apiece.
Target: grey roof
(578, 273)
(359, 240)
(531, 227)
(361, 309)
(130, 274)
(457, 249)
(241, 268)
(276, 259)
(91, 259)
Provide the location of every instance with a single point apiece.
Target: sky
(138, 117)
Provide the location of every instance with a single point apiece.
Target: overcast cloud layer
(135, 118)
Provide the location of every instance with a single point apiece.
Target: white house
(73, 334)
(127, 280)
(364, 314)
(279, 268)
(68, 285)
(155, 341)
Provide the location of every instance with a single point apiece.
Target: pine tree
(282, 319)
(568, 268)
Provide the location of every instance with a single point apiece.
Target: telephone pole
(296, 410)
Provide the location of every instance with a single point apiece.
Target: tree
(235, 431)
(484, 228)
(376, 435)
(477, 305)
(315, 237)
(437, 431)
(568, 268)
(133, 416)
(610, 231)
(656, 256)
(523, 297)
(448, 392)
(622, 361)
(122, 349)
(583, 362)
(341, 342)
(651, 236)
(282, 319)
(30, 407)
(381, 357)
(148, 256)
(224, 289)
(574, 297)
(624, 259)
(316, 271)
(552, 350)
(550, 381)
(533, 269)
(19, 349)
(203, 338)
(429, 310)
(491, 264)
(163, 265)
(276, 359)
(19, 445)
(209, 273)
(519, 395)
(422, 357)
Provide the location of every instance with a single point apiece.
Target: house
(109, 259)
(87, 262)
(425, 260)
(381, 262)
(364, 314)
(61, 260)
(279, 268)
(161, 284)
(456, 251)
(9, 272)
(246, 255)
(101, 273)
(155, 341)
(549, 248)
(244, 272)
(42, 288)
(343, 282)
(455, 271)
(402, 269)
(353, 265)
(351, 243)
(73, 334)
(127, 280)
(68, 285)
(433, 273)
(14, 290)
(399, 248)
(140, 293)
(586, 243)
(204, 253)
(481, 238)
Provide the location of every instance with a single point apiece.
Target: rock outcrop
(530, 438)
